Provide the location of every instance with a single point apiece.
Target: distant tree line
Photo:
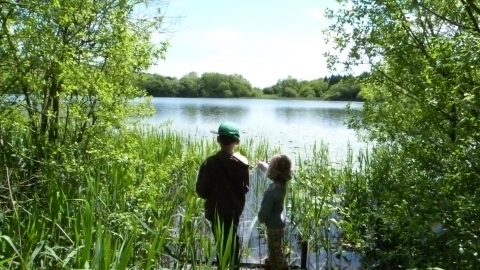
(218, 85)
(335, 87)
(210, 84)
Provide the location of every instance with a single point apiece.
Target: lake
(289, 124)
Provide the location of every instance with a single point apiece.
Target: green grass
(135, 207)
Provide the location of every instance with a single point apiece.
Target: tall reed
(135, 207)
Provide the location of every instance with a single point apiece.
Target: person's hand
(263, 166)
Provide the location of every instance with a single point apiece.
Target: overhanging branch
(412, 96)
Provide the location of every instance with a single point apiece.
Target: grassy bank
(139, 210)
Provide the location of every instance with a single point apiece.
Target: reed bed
(136, 207)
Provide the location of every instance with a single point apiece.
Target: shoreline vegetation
(218, 85)
(98, 210)
(81, 189)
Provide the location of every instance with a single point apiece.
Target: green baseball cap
(228, 129)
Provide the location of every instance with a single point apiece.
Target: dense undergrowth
(132, 204)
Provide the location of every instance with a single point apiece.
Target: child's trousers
(275, 249)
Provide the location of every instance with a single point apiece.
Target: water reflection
(219, 113)
(190, 111)
(197, 113)
(320, 116)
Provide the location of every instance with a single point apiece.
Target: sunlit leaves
(69, 66)
(421, 110)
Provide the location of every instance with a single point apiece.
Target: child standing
(223, 180)
(279, 171)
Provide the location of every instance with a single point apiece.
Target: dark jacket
(223, 180)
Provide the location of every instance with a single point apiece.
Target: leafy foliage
(72, 64)
(335, 87)
(210, 84)
(226, 86)
(421, 110)
(65, 89)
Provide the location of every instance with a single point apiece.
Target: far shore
(272, 97)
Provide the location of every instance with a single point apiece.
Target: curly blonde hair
(280, 168)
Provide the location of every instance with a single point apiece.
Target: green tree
(268, 90)
(319, 87)
(218, 85)
(224, 90)
(288, 87)
(160, 86)
(422, 111)
(210, 82)
(190, 85)
(342, 91)
(240, 86)
(74, 64)
(307, 91)
(72, 67)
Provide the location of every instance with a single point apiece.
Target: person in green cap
(223, 180)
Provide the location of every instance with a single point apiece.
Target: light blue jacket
(271, 209)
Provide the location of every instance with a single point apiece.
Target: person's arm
(266, 207)
(203, 181)
(246, 181)
(263, 166)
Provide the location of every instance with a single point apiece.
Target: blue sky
(263, 40)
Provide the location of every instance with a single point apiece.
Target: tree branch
(475, 8)
(457, 24)
(468, 8)
(412, 96)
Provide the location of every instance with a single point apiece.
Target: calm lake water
(290, 124)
